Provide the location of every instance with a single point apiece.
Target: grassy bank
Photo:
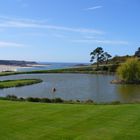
(108, 68)
(36, 121)
(87, 69)
(103, 69)
(18, 83)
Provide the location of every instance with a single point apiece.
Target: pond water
(75, 87)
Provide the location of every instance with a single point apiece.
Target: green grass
(38, 121)
(18, 83)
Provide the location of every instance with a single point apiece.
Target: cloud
(108, 42)
(6, 22)
(5, 44)
(94, 8)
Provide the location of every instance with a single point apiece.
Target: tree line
(99, 56)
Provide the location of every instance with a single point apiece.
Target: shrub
(89, 101)
(113, 68)
(57, 100)
(31, 99)
(69, 101)
(104, 68)
(46, 100)
(3, 98)
(115, 103)
(78, 101)
(12, 97)
(130, 71)
(21, 99)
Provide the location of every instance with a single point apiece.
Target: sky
(67, 30)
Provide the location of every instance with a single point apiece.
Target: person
(53, 89)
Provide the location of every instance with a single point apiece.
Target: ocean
(51, 66)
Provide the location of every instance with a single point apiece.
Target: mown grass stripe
(39, 121)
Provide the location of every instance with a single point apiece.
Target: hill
(17, 63)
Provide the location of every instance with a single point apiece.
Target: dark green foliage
(119, 59)
(102, 68)
(113, 68)
(46, 100)
(105, 68)
(12, 97)
(106, 56)
(57, 100)
(97, 54)
(100, 56)
(78, 101)
(137, 53)
(89, 101)
(31, 99)
(115, 102)
(21, 99)
(4, 98)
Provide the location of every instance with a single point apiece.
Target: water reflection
(129, 93)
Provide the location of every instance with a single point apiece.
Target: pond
(75, 87)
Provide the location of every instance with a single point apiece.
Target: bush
(78, 101)
(130, 71)
(31, 99)
(105, 68)
(21, 99)
(115, 103)
(113, 68)
(12, 97)
(89, 101)
(3, 98)
(57, 100)
(46, 100)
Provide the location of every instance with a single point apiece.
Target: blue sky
(67, 30)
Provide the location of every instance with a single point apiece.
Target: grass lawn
(18, 83)
(38, 121)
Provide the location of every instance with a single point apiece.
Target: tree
(106, 57)
(97, 55)
(130, 71)
(137, 53)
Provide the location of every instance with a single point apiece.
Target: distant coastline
(17, 63)
(14, 65)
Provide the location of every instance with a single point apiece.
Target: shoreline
(4, 68)
(13, 68)
(122, 82)
(12, 97)
(79, 70)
